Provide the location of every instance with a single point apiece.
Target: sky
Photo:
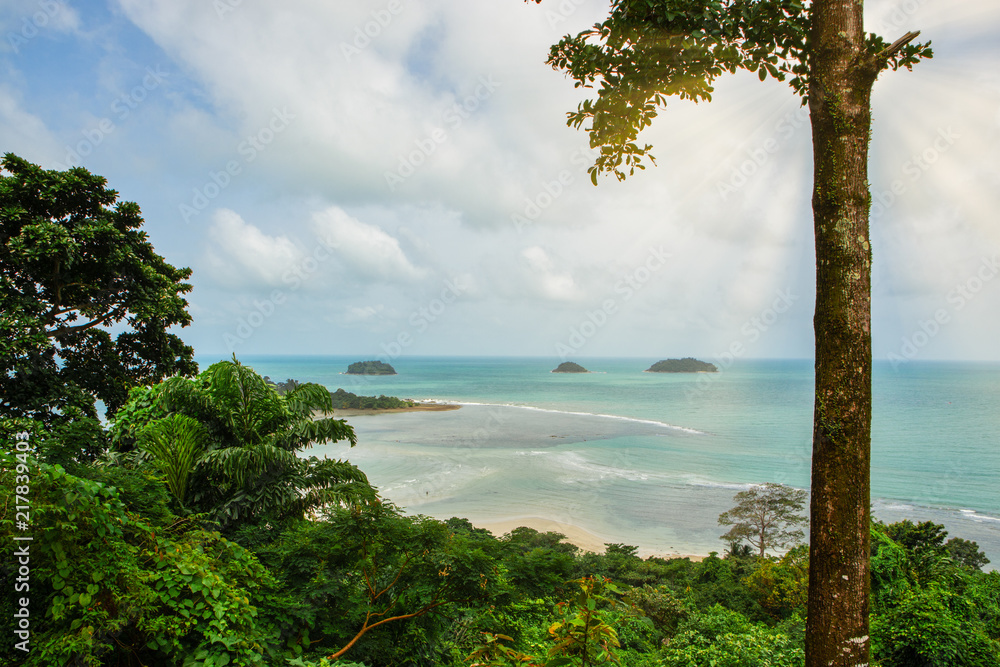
(396, 177)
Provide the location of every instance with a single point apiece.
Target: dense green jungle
(192, 532)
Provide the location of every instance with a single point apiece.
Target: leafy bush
(719, 637)
(929, 609)
(108, 586)
(782, 586)
(927, 628)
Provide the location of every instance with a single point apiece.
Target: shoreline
(575, 535)
(419, 407)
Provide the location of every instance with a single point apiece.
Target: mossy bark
(841, 79)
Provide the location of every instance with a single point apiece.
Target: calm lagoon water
(652, 459)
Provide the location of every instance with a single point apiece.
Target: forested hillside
(195, 529)
(128, 569)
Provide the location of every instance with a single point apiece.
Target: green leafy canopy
(229, 444)
(766, 516)
(73, 264)
(649, 50)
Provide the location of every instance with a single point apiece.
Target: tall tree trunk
(841, 79)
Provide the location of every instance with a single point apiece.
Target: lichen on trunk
(839, 104)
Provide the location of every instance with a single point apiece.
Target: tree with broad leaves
(925, 541)
(382, 569)
(766, 516)
(229, 445)
(649, 50)
(74, 266)
(966, 553)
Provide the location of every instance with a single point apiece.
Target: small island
(570, 367)
(370, 368)
(685, 365)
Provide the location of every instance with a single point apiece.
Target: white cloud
(357, 119)
(507, 152)
(242, 256)
(361, 314)
(546, 279)
(364, 249)
(24, 20)
(24, 133)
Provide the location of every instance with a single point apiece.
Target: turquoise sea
(652, 459)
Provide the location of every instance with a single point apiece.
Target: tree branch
(59, 331)
(54, 313)
(57, 303)
(365, 628)
(894, 48)
(399, 574)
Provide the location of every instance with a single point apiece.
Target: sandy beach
(581, 537)
(419, 407)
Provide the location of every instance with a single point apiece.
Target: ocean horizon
(652, 459)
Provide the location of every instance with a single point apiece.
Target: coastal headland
(417, 407)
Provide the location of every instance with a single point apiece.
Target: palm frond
(174, 443)
(245, 465)
(305, 433)
(229, 447)
(327, 471)
(306, 398)
(250, 408)
(180, 394)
